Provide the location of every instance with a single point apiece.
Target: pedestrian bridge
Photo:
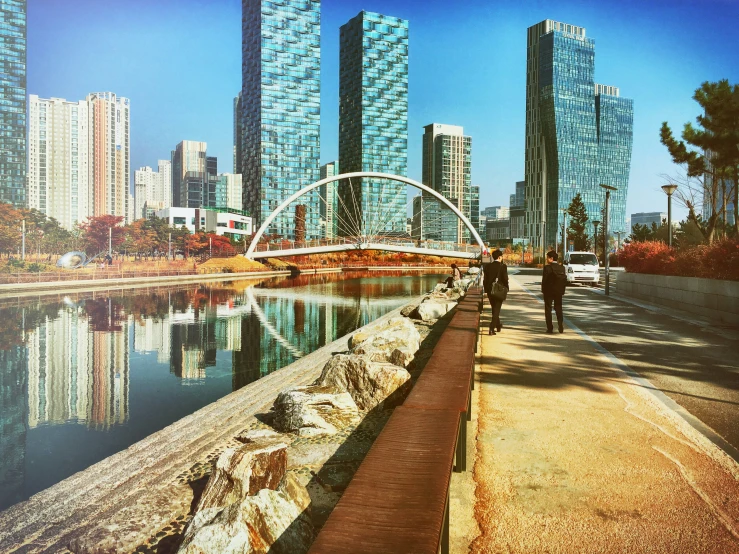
(427, 248)
(360, 233)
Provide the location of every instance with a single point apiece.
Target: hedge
(719, 260)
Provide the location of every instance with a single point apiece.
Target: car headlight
(570, 270)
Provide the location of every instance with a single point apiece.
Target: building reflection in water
(67, 361)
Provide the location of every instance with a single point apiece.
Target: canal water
(85, 375)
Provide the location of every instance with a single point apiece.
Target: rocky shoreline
(271, 485)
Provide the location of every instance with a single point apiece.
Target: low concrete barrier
(707, 297)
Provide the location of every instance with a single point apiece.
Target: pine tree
(578, 219)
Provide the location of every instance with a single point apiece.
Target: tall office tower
(110, 117)
(238, 133)
(59, 183)
(447, 160)
(13, 106)
(373, 122)
(280, 106)
(328, 200)
(188, 169)
(229, 192)
(578, 133)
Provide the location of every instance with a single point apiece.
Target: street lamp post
(23, 240)
(564, 232)
(110, 241)
(169, 247)
(595, 238)
(608, 190)
(669, 189)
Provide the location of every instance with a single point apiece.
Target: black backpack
(560, 279)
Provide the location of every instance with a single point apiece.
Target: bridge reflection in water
(85, 375)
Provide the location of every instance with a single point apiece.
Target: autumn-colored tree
(140, 238)
(10, 228)
(196, 244)
(95, 233)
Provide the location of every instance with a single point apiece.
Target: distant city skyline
(481, 91)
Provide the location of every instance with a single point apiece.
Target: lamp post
(110, 241)
(608, 190)
(169, 247)
(23, 240)
(595, 238)
(669, 189)
(564, 232)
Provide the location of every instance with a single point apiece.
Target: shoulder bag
(500, 291)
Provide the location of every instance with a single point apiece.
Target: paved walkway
(573, 455)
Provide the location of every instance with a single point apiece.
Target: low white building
(209, 220)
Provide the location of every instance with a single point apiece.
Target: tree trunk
(736, 202)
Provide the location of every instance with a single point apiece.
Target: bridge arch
(359, 174)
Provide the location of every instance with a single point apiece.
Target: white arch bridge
(365, 235)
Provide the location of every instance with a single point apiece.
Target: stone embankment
(253, 502)
(259, 478)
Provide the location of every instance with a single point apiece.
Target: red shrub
(647, 257)
(720, 260)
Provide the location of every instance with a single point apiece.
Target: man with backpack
(495, 284)
(553, 284)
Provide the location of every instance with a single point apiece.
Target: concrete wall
(707, 297)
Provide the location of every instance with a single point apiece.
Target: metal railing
(96, 274)
(391, 241)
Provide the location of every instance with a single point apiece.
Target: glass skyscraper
(13, 106)
(280, 109)
(578, 133)
(373, 122)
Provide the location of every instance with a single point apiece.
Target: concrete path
(574, 455)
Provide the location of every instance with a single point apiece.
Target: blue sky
(179, 61)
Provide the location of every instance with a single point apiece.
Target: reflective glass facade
(615, 116)
(373, 122)
(13, 105)
(581, 134)
(280, 109)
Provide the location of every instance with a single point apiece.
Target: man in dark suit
(496, 270)
(553, 284)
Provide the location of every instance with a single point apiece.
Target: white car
(582, 267)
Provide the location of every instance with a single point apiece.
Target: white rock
(368, 382)
(314, 410)
(241, 472)
(395, 341)
(277, 521)
(434, 309)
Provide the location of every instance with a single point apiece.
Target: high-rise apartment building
(280, 109)
(110, 146)
(153, 189)
(78, 157)
(190, 171)
(328, 200)
(13, 105)
(475, 209)
(59, 160)
(229, 192)
(578, 133)
(373, 122)
(447, 162)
